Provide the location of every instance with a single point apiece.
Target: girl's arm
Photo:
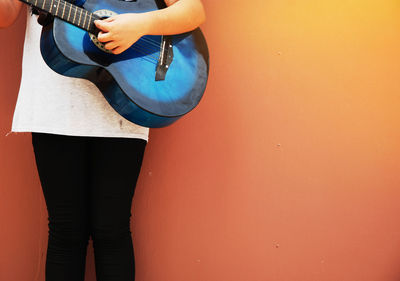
(9, 10)
(121, 31)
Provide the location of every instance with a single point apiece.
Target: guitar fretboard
(67, 12)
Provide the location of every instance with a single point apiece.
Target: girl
(88, 157)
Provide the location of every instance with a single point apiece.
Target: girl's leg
(62, 165)
(115, 166)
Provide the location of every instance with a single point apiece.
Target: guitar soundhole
(103, 14)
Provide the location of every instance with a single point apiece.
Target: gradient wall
(287, 171)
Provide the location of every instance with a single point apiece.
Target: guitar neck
(67, 12)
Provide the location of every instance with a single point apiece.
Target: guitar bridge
(165, 59)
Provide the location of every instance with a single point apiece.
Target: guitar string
(138, 47)
(152, 42)
(147, 46)
(148, 60)
(153, 61)
(152, 57)
(144, 46)
(145, 51)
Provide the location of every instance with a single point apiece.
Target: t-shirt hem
(79, 134)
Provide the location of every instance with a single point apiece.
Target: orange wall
(288, 169)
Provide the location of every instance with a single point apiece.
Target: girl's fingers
(117, 50)
(111, 45)
(102, 25)
(104, 36)
(110, 19)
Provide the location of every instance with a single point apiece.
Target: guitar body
(127, 80)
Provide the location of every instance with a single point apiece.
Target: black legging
(88, 185)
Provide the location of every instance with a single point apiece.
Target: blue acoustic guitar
(153, 83)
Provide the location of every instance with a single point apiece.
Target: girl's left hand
(119, 32)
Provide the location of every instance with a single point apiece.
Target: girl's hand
(121, 31)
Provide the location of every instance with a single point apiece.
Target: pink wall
(288, 169)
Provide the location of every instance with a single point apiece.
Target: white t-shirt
(51, 103)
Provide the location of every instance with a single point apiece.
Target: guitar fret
(63, 10)
(73, 21)
(44, 2)
(69, 11)
(84, 21)
(51, 5)
(79, 22)
(55, 5)
(58, 5)
(90, 21)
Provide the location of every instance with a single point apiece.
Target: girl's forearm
(9, 10)
(180, 16)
